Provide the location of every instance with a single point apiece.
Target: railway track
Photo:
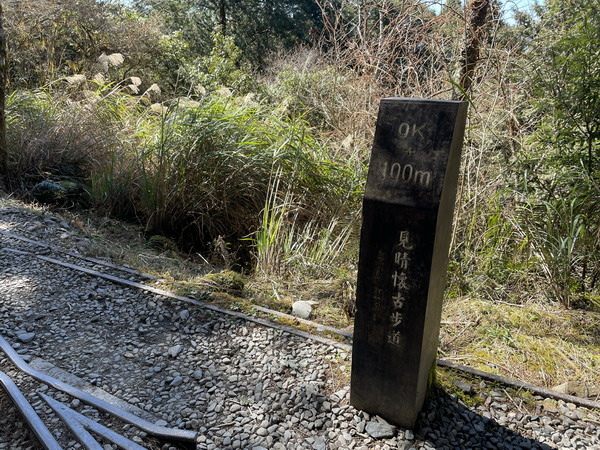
(75, 283)
(232, 380)
(78, 424)
(343, 335)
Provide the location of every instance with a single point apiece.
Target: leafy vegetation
(249, 144)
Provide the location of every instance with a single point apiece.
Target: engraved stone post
(405, 238)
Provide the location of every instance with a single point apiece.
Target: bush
(207, 165)
(221, 69)
(196, 171)
(334, 100)
(53, 136)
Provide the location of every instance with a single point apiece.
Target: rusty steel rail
(79, 424)
(522, 385)
(158, 431)
(318, 326)
(37, 426)
(162, 292)
(101, 262)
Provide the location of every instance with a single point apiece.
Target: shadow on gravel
(445, 423)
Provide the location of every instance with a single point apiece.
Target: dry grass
(332, 298)
(540, 344)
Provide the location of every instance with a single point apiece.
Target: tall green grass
(196, 170)
(285, 245)
(206, 169)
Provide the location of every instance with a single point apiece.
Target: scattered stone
(174, 351)
(550, 405)
(302, 309)
(319, 443)
(249, 385)
(379, 430)
(176, 381)
(26, 337)
(48, 191)
(360, 427)
(465, 387)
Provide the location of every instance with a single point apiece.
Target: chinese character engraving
(398, 301)
(394, 337)
(402, 256)
(402, 259)
(396, 318)
(404, 238)
(399, 280)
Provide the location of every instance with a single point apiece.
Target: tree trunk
(3, 70)
(223, 16)
(476, 28)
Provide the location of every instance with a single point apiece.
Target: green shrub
(223, 68)
(333, 99)
(194, 171)
(205, 170)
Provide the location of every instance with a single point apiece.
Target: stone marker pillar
(405, 238)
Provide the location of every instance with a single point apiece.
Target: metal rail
(150, 428)
(192, 301)
(262, 309)
(522, 385)
(79, 424)
(37, 426)
(10, 235)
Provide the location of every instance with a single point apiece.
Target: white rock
(302, 309)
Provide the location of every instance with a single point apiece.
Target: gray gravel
(239, 384)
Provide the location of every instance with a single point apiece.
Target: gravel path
(238, 384)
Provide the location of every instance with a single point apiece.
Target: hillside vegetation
(239, 133)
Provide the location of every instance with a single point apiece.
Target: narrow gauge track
(151, 346)
(91, 266)
(77, 423)
(224, 356)
(269, 312)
